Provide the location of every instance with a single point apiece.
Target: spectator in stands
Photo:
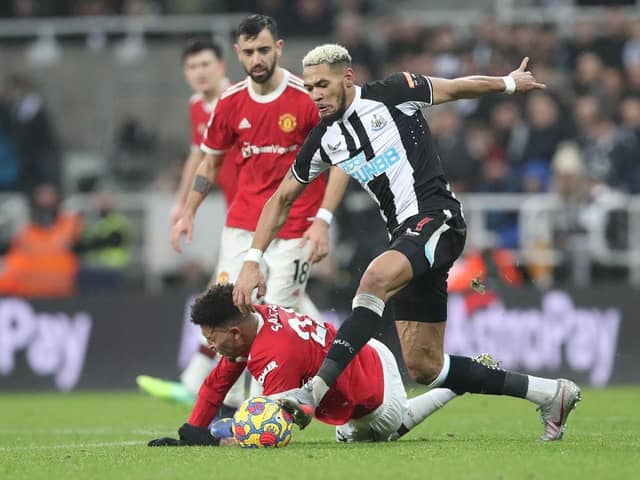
(361, 7)
(495, 176)
(584, 40)
(33, 133)
(105, 246)
(92, 8)
(141, 8)
(535, 177)
(448, 61)
(588, 73)
(8, 154)
(631, 48)
(311, 18)
(586, 111)
(450, 139)
(25, 8)
(632, 74)
(585, 202)
(630, 121)
(511, 132)
(41, 261)
(546, 129)
(610, 154)
(350, 34)
(611, 43)
(543, 230)
(551, 50)
(611, 90)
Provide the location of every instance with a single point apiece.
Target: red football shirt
(268, 130)
(199, 113)
(287, 351)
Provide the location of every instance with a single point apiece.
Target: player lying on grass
(377, 134)
(282, 350)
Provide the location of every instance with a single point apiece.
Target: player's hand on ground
(249, 279)
(190, 436)
(318, 237)
(184, 226)
(525, 81)
(164, 442)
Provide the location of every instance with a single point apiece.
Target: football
(262, 423)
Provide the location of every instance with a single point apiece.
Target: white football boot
(300, 404)
(555, 413)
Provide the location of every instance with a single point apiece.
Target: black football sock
(354, 333)
(467, 375)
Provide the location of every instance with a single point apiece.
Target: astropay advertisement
(584, 335)
(104, 342)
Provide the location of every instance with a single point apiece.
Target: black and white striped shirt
(383, 141)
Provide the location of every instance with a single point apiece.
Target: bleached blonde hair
(329, 53)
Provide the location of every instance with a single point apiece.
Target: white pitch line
(75, 445)
(86, 431)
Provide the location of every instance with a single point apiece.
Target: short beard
(267, 77)
(342, 107)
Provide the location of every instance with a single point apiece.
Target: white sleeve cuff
(211, 151)
(293, 170)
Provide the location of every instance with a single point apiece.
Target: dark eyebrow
(309, 85)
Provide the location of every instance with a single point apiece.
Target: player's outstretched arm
(205, 177)
(273, 216)
(520, 80)
(318, 232)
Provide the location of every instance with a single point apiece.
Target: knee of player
(374, 281)
(423, 369)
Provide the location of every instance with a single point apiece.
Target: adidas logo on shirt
(244, 124)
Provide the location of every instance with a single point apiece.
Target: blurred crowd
(307, 17)
(579, 138)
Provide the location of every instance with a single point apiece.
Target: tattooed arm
(204, 179)
(205, 176)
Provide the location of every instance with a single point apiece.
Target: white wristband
(253, 255)
(324, 215)
(509, 85)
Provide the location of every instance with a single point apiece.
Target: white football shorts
(385, 420)
(284, 265)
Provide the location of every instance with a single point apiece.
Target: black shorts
(432, 242)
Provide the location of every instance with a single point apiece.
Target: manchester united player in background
(204, 72)
(261, 122)
(284, 349)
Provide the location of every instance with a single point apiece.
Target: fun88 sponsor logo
(364, 171)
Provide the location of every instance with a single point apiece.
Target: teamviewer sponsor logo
(248, 150)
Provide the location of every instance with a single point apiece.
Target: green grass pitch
(103, 436)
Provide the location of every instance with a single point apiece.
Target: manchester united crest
(287, 122)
